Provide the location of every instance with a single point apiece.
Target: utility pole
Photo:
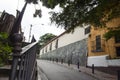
(31, 30)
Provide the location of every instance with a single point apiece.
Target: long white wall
(67, 38)
(102, 61)
(97, 61)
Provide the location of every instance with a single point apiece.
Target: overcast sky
(38, 29)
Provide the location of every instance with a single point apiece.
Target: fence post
(53, 59)
(61, 61)
(16, 39)
(118, 74)
(78, 63)
(93, 68)
(68, 62)
(56, 59)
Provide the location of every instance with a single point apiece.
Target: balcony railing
(93, 46)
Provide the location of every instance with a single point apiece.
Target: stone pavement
(97, 74)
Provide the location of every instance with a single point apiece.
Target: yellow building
(100, 50)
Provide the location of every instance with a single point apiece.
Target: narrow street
(54, 71)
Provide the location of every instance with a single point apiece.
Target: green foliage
(83, 12)
(52, 3)
(112, 33)
(5, 49)
(45, 38)
(37, 11)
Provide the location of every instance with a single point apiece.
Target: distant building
(68, 47)
(86, 45)
(102, 52)
(6, 22)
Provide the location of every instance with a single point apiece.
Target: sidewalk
(97, 74)
(3, 78)
(4, 72)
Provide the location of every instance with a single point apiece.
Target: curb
(41, 74)
(95, 75)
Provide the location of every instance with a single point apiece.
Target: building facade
(86, 48)
(6, 22)
(68, 47)
(102, 52)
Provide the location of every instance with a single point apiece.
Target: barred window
(50, 46)
(56, 46)
(98, 43)
(118, 51)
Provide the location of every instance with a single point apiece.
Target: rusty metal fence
(24, 65)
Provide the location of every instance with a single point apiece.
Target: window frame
(98, 43)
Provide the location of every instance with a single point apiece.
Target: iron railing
(24, 65)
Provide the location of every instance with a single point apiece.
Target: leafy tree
(45, 38)
(37, 11)
(112, 33)
(5, 49)
(83, 12)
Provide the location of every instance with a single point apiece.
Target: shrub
(5, 49)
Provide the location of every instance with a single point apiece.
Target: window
(117, 39)
(50, 46)
(98, 43)
(87, 30)
(118, 51)
(46, 49)
(43, 51)
(56, 46)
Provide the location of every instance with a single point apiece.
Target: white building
(68, 46)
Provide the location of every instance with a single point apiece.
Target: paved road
(57, 72)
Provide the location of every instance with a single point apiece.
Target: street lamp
(31, 30)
